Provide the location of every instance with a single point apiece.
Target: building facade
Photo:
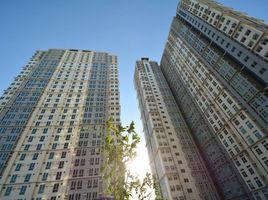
(216, 64)
(52, 122)
(174, 156)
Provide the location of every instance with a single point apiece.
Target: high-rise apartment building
(52, 122)
(216, 64)
(174, 156)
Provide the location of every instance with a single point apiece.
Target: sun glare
(140, 165)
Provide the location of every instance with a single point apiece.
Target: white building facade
(63, 98)
(174, 157)
(219, 76)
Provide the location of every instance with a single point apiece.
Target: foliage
(118, 150)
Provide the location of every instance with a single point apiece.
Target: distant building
(52, 121)
(216, 64)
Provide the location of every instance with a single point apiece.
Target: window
(262, 70)
(23, 190)
(79, 185)
(255, 36)
(63, 155)
(257, 134)
(54, 145)
(45, 175)
(266, 54)
(35, 156)
(56, 187)
(41, 188)
(250, 44)
(259, 49)
(68, 137)
(8, 191)
(253, 64)
(246, 58)
(58, 176)
(42, 138)
(259, 183)
(30, 139)
(61, 164)
(244, 174)
(51, 155)
(243, 39)
(22, 156)
(18, 167)
(250, 140)
(27, 146)
(45, 130)
(244, 159)
(56, 138)
(264, 41)
(31, 167)
(48, 165)
(251, 171)
(95, 183)
(66, 145)
(27, 178)
(13, 178)
(233, 49)
(248, 32)
(249, 124)
(94, 195)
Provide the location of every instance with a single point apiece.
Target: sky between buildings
(130, 29)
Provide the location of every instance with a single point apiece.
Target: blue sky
(130, 29)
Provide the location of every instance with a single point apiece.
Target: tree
(118, 150)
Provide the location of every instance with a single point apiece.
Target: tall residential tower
(173, 154)
(52, 122)
(216, 64)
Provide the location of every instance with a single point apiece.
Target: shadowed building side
(174, 156)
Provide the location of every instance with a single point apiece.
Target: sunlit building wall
(52, 122)
(216, 64)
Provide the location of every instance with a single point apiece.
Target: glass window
(8, 191)
(41, 188)
(31, 167)
(51, 155)
(13, 178)
(22, 156)
(27, 178)
(48, 165)
(45, 175)
(56, 187)
(23, 190)
(18, 166)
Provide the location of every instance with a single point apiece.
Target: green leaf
(120, 182)
(135, 136)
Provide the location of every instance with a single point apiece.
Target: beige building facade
(57, 153)
(216, 68)
(174, 156)
(219, 79)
